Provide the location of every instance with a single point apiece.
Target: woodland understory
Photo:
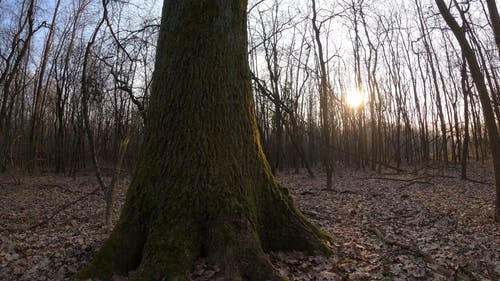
(422, 224)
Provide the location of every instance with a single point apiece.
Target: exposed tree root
(164, 245)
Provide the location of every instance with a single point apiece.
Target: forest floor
(424, 225)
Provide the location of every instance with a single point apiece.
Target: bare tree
(484, 97)
(324, 93)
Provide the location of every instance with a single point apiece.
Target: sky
(338, 41)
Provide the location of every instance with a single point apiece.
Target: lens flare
(354, 98)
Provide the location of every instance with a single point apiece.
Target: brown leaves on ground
(425, 225)
(59, 248)
(439, 228)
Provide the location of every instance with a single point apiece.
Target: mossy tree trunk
(202, 186)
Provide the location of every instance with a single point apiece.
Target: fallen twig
(340, 191)
(419, 180)
(64, 207)
(478, 181)
(60, 187)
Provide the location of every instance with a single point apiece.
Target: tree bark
(202, 186)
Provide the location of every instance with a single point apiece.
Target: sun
(354, 98)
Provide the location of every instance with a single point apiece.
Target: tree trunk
(465, 149)
(202, 186)
(434, 67)
(495, 21)
(324, 101)
(484, 97)
(38, 95)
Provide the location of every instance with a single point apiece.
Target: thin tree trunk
(484, 97)
(38, 93)
(495, 21)
(465, 148)
(324, 101)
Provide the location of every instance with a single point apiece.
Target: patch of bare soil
(424, 225)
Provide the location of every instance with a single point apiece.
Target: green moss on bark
(119, 254)
(202, 185)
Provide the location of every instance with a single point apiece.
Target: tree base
(231, 233)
